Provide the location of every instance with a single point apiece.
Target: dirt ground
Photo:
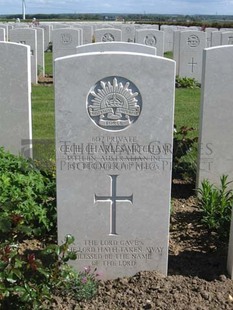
(197, 277)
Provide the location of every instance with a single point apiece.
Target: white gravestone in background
(151, 37)
(15, 99)
(40, 52)
(117, 47)
(107, 35)
(6, 31)
(27, 37)
(128, 33)
(65, 41)
(216, 152)
(2, 34)
(216, 38)
(47, 35)
(227, 38)
(191, 48)
(114, 126)
(216, 126)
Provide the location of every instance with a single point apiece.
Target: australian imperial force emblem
(114, 103)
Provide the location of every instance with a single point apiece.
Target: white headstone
(40, 52)
(107, 35)
(65, 41)
(151, 37)
(47, 35)
(128, 33)
(27, 37)
(176, 49)
(87, 33)
(216, 126)
(216, 151)
(6, 31)
(227, 38)
(216, 38)
(208, 32)
(2, 34)
(191, 48)
(15, 99)
(117, 47)
(114, 123)
(168, 37)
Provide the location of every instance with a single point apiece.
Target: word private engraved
(114, 103)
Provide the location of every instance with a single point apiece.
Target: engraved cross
(113, 199)
(192, 64)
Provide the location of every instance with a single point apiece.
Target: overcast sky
(119, 6)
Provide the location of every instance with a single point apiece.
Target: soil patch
(197, 277)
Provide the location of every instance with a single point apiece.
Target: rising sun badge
(114, 103)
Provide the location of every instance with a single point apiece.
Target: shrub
(184, 163)
(216, 204)
(29, 278)
(185, 82)
(27, 198)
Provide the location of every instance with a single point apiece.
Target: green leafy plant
(27, 198)
(29, 278)
(184, 163)
(185, 82)
(216, 204)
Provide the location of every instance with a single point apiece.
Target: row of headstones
(128, 31)
(187, 45)
(33, 38)
(114, 128)
(65, 40)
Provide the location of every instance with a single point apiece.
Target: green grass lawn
(49, 63)
(187, 105)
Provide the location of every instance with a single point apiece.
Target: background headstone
(65, 41)
(107, 35)
(15, 99)
(116, 46)
(27, 37)
(128, 33)
(151, 37)
(216, 149)
(227, 38)
(191, 48)
(40, 52)
(216, 38)
(2, 34)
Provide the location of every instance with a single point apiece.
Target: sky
(190, 7)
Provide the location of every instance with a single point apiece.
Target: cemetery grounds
(197, 277)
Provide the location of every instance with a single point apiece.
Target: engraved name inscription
(114, 154)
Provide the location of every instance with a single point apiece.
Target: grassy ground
(187, 105)
(187, 102)
(49, 63)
